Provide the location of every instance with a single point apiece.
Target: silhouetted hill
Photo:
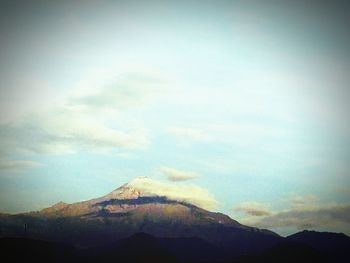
(38, 251)
(138, 248)
(193, 249)
(286, 252)
(144, 248)
(336, 246)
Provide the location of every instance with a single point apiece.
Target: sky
(240, 105)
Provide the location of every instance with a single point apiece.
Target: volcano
(129, 210)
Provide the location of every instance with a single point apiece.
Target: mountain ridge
(128, 210)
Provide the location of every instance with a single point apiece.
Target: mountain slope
(129, 199)
(129, 210)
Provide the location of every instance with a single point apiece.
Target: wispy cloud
(302, 201)
(305, 212)
(254, 208)
(176, 175)
(315, 217)
(17, 165)
(87, 121)
(187, 193)
(68, 132)
(119, 92)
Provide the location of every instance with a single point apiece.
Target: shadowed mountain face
(334, 246)
(28, 250)
(144, 248)
(184, 232)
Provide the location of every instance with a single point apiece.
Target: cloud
(17, 165)
(68, 132)
(118, 91)
(93, 119)
(254, 208)
(186, 193)
(177, 175)
(302, 201)
(305, 212)
(317, 217)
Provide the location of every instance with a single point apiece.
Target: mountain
(173, 230)
(129, 210)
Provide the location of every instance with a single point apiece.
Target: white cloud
(108, 90)
(92, 119)
(68, 132)
(176, 175)
(17, 165)
(186, 193)
(254, 208)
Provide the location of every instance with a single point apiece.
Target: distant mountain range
(130, 225)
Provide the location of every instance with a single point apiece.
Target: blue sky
(244, 99)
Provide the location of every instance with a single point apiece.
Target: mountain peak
(148, 187)
(60, 204)
(131, 190)
(123, 192)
